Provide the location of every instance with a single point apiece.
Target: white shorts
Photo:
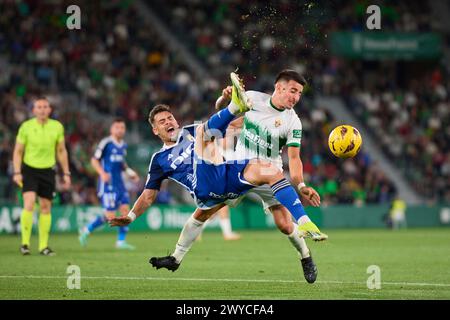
(264, 193)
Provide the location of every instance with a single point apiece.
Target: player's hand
(18, 179)
(67, 181)
(119, 221)
(225, 98)
(132, 175)
(135, 178)
(226, 93)
(310, 196)
(105, 177)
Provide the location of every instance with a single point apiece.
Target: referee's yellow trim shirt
(40, 141)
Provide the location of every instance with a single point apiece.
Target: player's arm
(130, 172)
(19, 149)
(155, 177)
(296, 172)
(99, 169)
(63, 159)
(145, 200)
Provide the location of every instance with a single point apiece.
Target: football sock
(219, 121)
(234, 109)
(287, 196)
(26, 225)
(299, 243)
(225, 225)
(122, 234)
(191, 230)
(45, 223)
(97, 222)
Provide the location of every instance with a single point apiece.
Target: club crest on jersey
(190, 137)
(277, 123)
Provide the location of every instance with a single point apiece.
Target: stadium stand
(122, 68)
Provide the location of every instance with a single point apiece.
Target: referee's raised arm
(39, 143)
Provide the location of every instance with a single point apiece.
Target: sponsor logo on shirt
(297, 133)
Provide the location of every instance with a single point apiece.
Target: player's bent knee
(282, 219)
(201, 215)
(285, 227)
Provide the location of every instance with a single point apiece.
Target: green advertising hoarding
(156, 218)
(246, 216)
(386, 45)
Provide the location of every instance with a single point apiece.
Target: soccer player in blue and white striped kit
(109, 162)
(191, 158)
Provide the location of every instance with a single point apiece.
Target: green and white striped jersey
(266, 130)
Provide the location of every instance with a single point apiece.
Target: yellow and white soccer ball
(345, 141)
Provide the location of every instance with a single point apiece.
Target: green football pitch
(413, 264)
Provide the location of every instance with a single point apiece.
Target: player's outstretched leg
(86, 231)
(123, 231)
(309, 269)
(168, 262)
(238, 95)
(240, 103)
(261, 172)
(191, 230)
(225, 225)
(121, 243)
(283, 220)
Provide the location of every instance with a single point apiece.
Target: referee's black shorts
(41, 181)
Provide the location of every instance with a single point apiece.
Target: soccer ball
(345, 141)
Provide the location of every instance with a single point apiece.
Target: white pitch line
(224, 280)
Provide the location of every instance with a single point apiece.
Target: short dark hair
(118, 119)
(157, 109)
(288, 74)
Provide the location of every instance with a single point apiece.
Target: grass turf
(414, 264)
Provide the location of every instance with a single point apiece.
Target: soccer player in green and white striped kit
(269, 126)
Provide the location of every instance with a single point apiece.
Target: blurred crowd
(259, 37)
(353, 181)
(412, 126)
(117, 65)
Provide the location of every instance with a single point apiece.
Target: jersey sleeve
(191, 129)
(60, 135)
(155, 174)
(294, 134)
(22, 135)
(101, 148)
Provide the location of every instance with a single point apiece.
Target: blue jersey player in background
(109, 162)
(190, 156)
